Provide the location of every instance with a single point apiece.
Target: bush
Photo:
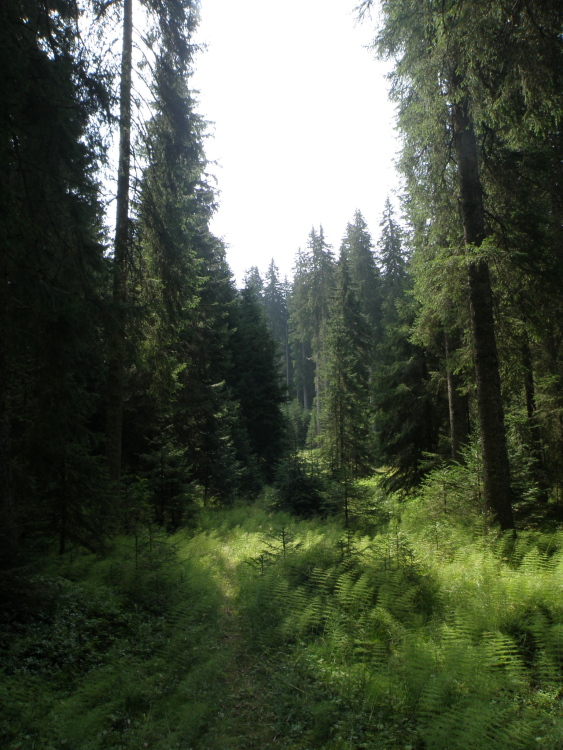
(298, 490)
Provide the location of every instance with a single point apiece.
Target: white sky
(303, 132)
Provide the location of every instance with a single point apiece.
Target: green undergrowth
(426, 634)
(120, 652)
(411, 630)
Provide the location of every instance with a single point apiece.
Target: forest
(316, 512)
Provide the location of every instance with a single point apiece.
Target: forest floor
(256, 630)
(244, 719)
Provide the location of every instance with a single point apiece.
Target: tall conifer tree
(434, 60)
(405, 415)
(52, 277)
(256, 383)
(364, 274)
(300, 326)
(320, 280)
(121, 251)
(346, 438)
(277, 315)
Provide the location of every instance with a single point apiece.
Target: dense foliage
(403, 396)
(124, 389)
(257, 630)
(455, 309)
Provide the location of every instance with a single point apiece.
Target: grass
(412, 630)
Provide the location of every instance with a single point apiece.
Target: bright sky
(303, 131)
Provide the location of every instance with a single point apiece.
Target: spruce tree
(116, 365)
(301, 333)
(346, 438)
(53, 277)
(254, 281)
(182, 424)
(406, 417)
(364, 273)
(320, 280)
(434, 57)
(255, 382)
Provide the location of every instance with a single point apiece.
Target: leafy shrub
(298, 489)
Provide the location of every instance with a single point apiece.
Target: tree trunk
(531, 411)
(8, 531)
(459, 423)
(496, 470)
(529, 387)
(287, 378)
(63, 510)
(120, 260)
(318, 393)
(304, 370)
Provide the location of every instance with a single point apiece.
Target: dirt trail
(245, 720)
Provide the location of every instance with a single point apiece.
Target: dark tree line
(384, 359)
(135, 378)
(478, 92)
(461, 307)
(123, 384)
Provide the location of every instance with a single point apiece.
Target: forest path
(245, 719)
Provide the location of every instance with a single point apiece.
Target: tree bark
(287, 378)
(318, 395)
(531, 411)
(120, 260)
(459, 423)
(305, 394)
(8, 531)
(529, 388)
(496, 470)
